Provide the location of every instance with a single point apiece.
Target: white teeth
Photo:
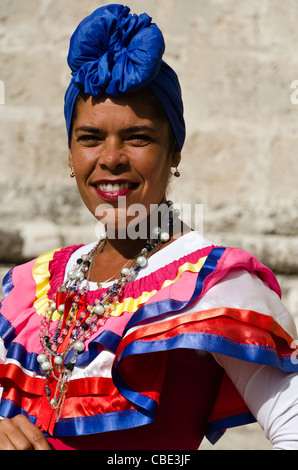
(113, 187)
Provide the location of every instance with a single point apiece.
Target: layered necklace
(77, 320)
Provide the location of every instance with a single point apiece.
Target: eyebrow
(96, 130)
(90, 129)
(139, 129)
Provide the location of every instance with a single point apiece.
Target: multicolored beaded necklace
(77, 320)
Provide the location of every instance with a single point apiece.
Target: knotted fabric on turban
(113, 52)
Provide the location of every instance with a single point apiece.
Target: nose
(112, 156)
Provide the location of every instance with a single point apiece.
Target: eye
(89, 140)
(139, 140)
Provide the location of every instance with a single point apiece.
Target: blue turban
(113, 52)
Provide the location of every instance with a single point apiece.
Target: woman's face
(120, 148)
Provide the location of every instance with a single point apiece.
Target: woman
(151, 337)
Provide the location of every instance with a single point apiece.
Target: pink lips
(111, 190)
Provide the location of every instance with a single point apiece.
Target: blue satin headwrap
(114, 52)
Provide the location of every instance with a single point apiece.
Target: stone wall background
(236, 60)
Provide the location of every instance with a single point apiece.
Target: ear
(176, 157)
(70, 158)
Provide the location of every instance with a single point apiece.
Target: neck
(129, 241)
(125, 245)
(124, 248)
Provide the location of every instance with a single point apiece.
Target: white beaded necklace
(77, 320)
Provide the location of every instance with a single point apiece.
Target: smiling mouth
(110, 190)
(115, 187)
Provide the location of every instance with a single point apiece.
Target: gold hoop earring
(176, 173)
(72, 173)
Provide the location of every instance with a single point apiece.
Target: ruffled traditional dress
(148, 379)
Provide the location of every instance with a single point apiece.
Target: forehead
(140, 106)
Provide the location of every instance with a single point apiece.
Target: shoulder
(216, 260)
(236, 279)
(27, 276)
(28, 287)
(227, 277)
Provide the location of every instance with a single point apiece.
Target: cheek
(155, 166)
(83, 165)
(159, 172)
